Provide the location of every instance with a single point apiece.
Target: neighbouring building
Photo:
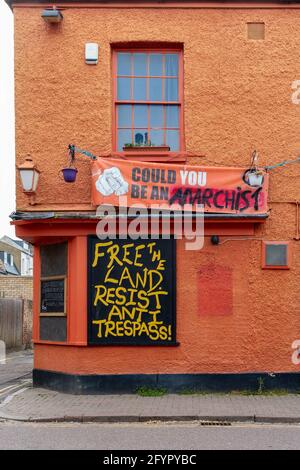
(16, 312)
(168, 103)
(16, 292)
(16, 257)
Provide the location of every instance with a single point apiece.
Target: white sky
(7, 136)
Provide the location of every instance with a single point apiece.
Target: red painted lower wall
(232, 316)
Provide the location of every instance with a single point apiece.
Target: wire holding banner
(72, 149)
(280, 164)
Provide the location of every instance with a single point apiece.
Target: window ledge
(59, 343)
(152, 156)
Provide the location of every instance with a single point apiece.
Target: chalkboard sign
(53, 296)
(131, 286)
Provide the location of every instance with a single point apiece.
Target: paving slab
(40, 405)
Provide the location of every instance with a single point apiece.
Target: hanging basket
(69, 174)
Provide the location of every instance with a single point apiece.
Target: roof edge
(161, 3)
(39, 216)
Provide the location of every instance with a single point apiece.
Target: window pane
(157, 137)
(172, 65)
(171, 89)
(276, 255)
(124, 115)
(158, 122)
(156, 116)
(141, 136)
(123, 89)
(156, 68)
(173, 140)
(124, 67)
(155, 89)
(140, 64)
(172, 116)
(139, 89)
(140, 115)
(124, 137)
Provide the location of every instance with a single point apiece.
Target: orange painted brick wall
(237, 97)
(237, 92)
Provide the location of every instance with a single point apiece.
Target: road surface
(181, 436)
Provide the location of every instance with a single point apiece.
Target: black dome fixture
(215, 240)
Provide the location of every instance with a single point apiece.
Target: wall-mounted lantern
(52, 16)
(29, 175)
(254, 177)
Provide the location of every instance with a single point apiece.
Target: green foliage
(194, 391)
(130, 145)
(151, 392)
(261, 391)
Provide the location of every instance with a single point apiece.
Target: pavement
(15, 372)
(19, 401)
(40, 405)
(17, 365)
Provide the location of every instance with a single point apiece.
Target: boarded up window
(215, 293)
(53, 286)
(54, 259)
(256, 31)
(132, 292)
(53, 328)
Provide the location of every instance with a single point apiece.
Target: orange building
(169, 101)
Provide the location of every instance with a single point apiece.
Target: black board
(131, 296)
(52, 296)
(53, 329)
